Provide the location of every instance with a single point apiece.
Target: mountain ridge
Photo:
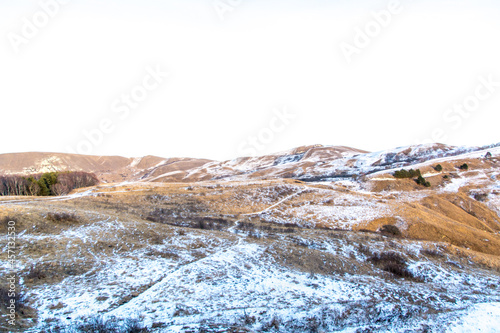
(307, 163)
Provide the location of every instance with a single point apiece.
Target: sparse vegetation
(438, 168)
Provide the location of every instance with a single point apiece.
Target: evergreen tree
(46, 181)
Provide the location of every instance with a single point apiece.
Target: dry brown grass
(452, 218)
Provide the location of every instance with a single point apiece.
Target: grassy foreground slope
(260, 255)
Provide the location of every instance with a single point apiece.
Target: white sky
(227, 77)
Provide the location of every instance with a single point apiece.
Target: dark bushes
(390, 230)
(36, 273)
(156, 198)
(6, 295)
(464, 167)
(159, 215)
(112, 325)
(210, 223)
(96, 325)
(252, 227)
(412, 174)
(438, 168)
(432, 253)
(62, 217)
(274, 324)
(421, 181)
(480, 196)
(4, 222)
(407, 173)
(134, 326)
(392, 262)
(170, 217)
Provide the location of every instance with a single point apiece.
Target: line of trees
(46, 184)
(407, 173)
(412, 174)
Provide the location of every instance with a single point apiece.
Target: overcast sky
(224, 78)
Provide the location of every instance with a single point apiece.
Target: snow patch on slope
(482, 317)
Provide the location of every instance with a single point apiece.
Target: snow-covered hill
(309, 163)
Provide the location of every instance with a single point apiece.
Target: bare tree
(60, 189)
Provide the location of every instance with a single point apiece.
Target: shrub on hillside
(97, 325)
(480, 196)
(7, 295)
(36, 273)
(272, 325)
(464, 166)
(7, 219)
(134, 326)
(432, 253)
(392, 262)
(438, 168)
(421, 181)
(62, 217)
(210, 223)
(111, 325)
(390, 230)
